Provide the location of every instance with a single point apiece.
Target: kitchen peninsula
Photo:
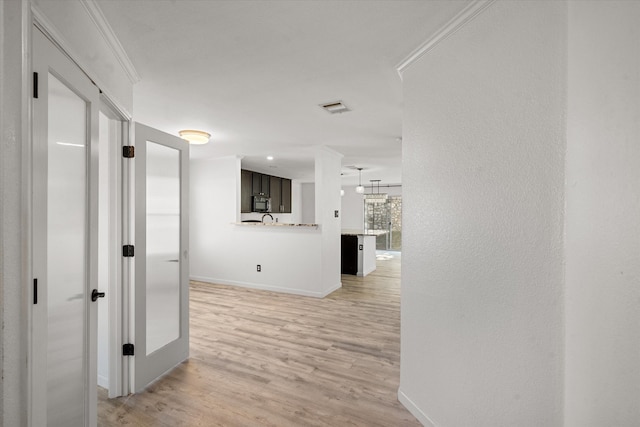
(288, 256)
(274, 224)
(358, 252)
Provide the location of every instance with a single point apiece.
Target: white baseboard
(365, 273)
(264, 287)
(333, 289)
(415, 411)
(103, 381)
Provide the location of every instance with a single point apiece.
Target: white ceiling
(252, 73)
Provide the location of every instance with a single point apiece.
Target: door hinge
(127, 251)
(35, 85)
(35, 291)
(128, 151)
(128, 350)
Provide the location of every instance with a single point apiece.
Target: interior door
(161, 253)
(64, 240)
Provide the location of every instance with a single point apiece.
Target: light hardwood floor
(267, 359)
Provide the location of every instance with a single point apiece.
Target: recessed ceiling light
(335, 107)
(269, 157)
(196, 137)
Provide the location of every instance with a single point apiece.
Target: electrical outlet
(259, 268)
(336, 214)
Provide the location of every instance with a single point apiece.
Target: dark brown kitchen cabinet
(260, 184)
(280, 189)
(246, 192)
(285, 195)
(275, 194)
(255, 184)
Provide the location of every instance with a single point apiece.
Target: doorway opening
(112, 280)
(383, 217)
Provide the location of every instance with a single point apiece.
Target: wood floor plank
(261, 358)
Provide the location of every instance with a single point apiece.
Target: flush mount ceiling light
(335, 107)
(359, 188)
(196, 137)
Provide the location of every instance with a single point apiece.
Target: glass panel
(376, 218)
(383, 217)
(66, 248)
(163, 245)
(395, 210)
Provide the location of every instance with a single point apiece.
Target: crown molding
(465, 16)
(101, 23)
(41, 21)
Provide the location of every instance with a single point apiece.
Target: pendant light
(376, 197)
(360, 188)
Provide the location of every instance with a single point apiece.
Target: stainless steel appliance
(261, 204)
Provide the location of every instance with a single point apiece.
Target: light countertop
(274, 224)
(349, 232)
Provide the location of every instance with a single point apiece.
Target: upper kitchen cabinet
(260, 184)
(280, 195)
(285, 195)
(246, 185)
(276, 198)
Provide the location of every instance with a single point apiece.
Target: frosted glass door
(64, 244)
(161, 253)
(66, 272)
(163, 245)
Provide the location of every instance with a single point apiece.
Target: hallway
(269, 359)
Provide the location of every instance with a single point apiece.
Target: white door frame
(120, 274)
(38, 336)
(117, 229)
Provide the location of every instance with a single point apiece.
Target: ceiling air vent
(335, 107)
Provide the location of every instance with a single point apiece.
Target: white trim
(118, 134)
(465, 16)
(263, 287)
(415, 411)
(332, 289)
(50, 30)
(103, 381)
(98, 18)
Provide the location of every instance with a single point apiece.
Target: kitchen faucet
(270, 216)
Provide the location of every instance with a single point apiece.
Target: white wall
(222, 252)
(352, 209)
(308, 203)
(602, 295)
(13, 231)
(328, 164)
(482, 270)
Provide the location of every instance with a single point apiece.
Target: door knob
(95, 295)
